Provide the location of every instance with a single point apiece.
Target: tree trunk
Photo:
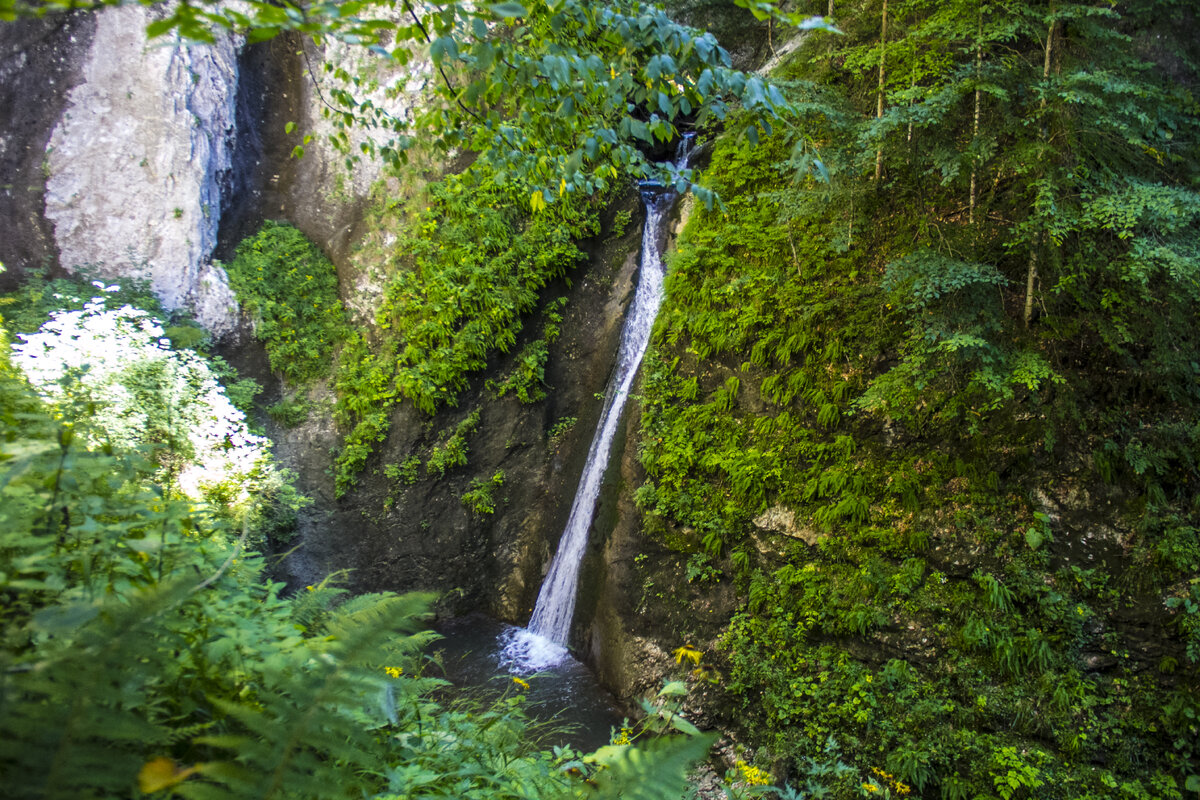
(1030, 279)
(912, 96)
(975, 126)
(879, 98)
(1031, 273)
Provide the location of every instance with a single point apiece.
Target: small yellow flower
(394, 672)
(688, 653)
(753, 776)
(519, 682)
(870, 787)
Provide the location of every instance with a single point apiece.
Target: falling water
(543, 643)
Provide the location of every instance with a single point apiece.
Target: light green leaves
(508, 10)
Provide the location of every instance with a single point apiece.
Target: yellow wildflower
(752, 775)
(520, 683)
(394, 672)
(688, 653)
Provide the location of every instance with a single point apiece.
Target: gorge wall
(150, 159)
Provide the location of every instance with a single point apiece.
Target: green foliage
(657, 770)
(289, 411)
(845, 408)
(290, 289)
(407, 472)
(529, 374)
(560, 429)
(240, 391)
(466, 276)
(29, 306)
(478, 498)
(113, 374)
(142, 651)
(451, 452)
(952, 366)
(562, 96)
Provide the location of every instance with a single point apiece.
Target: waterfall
(543, 643)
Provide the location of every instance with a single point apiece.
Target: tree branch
(449, 85)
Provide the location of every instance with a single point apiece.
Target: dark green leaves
(291, 288)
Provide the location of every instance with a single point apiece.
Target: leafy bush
(112, 372)
(290, 289)
(478, 498)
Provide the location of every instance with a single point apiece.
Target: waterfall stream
(544, 643)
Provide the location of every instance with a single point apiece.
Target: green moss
(936, 631)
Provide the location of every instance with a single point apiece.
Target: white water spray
(544, 643)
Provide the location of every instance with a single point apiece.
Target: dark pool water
(580, 712)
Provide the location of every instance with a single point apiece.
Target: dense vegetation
(143, 650)
(927, 392)
(924, 392)
(463, 278)
(290, 289)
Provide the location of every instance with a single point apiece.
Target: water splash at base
(523, 652)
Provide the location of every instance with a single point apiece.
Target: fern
(657, 771)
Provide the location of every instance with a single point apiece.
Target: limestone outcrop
(136, 165)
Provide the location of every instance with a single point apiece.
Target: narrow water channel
(544, 643)
(494, 657)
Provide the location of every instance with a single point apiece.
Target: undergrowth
(464, 278)
(909, 596)
(290, 289)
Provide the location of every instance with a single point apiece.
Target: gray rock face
(136, 164)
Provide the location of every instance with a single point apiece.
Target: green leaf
(261, 34)
(654, 771)
(1033, 538)
(508, 10)
(159, 27)
(62, 619)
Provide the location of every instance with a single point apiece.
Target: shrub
(290, 289)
